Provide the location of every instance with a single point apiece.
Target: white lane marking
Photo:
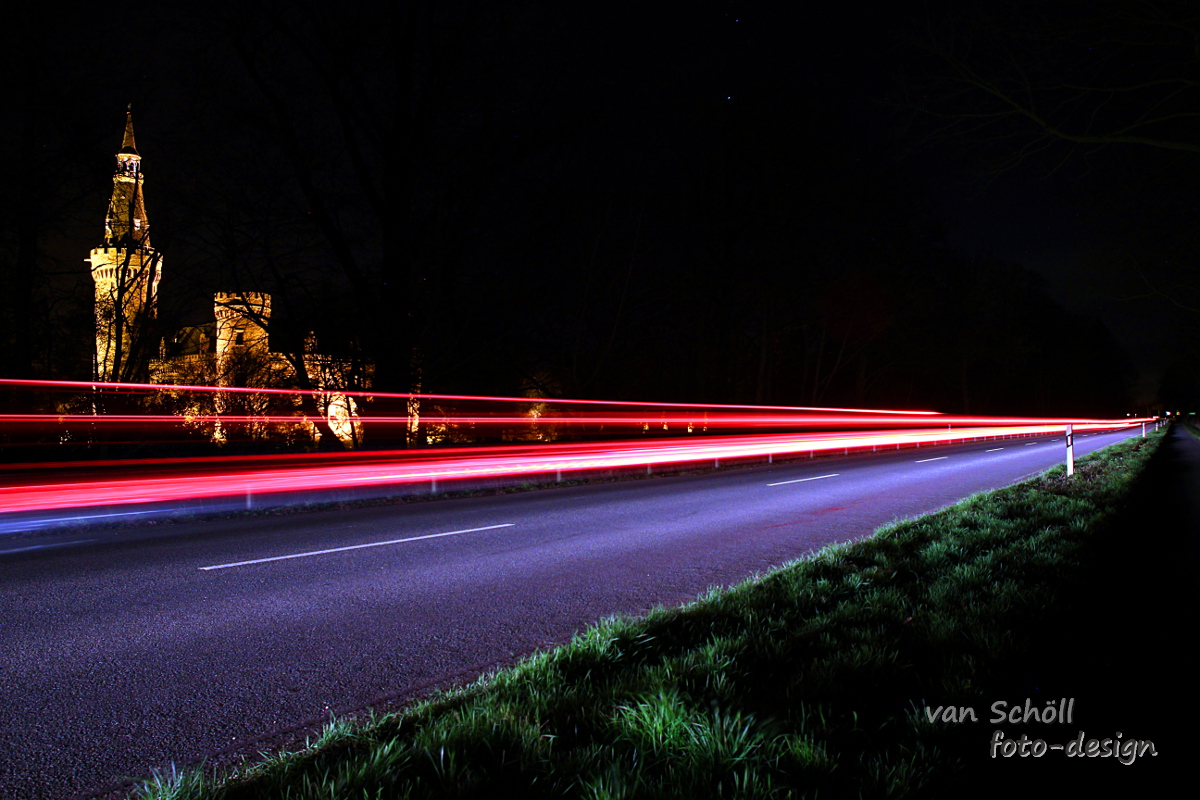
(994, 449)
(802, 480)
(44, 546)
(1031, 444)
(356, 547)
(923, 460)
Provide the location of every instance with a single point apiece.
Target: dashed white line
(356, 547)
(994, 449)
(1031, 444)
(923, 460)
(802, 480)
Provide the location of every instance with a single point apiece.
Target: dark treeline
(1095, 100)
(493, 198)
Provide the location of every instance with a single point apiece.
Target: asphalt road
(125, 651)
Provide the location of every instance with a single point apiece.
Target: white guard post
(1070, 451)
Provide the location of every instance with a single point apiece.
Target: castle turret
(241, 334)
(126, 271)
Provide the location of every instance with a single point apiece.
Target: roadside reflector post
(1070, 451)
(1143, 430)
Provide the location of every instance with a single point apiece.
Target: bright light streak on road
(145, 422)
(148, 388)
(404, 468)
(121, 409)
(602, 435)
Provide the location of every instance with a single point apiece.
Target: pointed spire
(127, 144)
(126, 221)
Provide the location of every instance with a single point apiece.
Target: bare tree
(1085, 74)
(1109, 87)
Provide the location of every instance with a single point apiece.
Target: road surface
(122, 651)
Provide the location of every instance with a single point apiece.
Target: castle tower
(241, 335)
(126, 271)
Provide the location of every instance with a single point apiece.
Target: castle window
(239, 336)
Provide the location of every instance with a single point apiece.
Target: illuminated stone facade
(126, 270)
(242, 351)
(233, 351)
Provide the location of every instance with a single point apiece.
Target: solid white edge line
(802, 480)
(923, 460)
(356, 547)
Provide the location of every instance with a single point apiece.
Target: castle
(126, 270)
(232, 351)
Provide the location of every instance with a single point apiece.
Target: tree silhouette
(1107, 92)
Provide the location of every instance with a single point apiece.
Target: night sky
(710, 202)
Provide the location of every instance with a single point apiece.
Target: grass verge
(811, 680)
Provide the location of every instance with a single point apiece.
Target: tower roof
(126, 222)
(127, 143)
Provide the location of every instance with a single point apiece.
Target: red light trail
(58, 486)
(400, 468)
(152, 388)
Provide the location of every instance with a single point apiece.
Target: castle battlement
(117, 249)
(242, 305)
(243, 298)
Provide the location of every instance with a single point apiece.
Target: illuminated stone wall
(126, 271)
(242, 344)
(126, 282)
